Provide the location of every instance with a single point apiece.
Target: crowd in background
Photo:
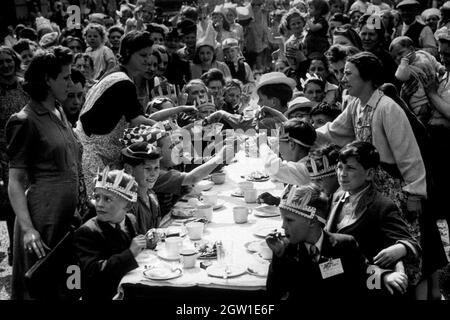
(72, 97)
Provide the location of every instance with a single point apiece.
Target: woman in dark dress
(43, 168)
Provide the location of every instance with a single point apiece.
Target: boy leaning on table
(312, 264)
(107, 244)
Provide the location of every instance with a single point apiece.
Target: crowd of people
(95, 121)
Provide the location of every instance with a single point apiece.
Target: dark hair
(225, 24)
(329, 110)
(196, 59)
(281, 91)
(190, 13)
(18, 29)
(364, 152)
(77, 77)
(116, 29)
(293, 13)
(154, 28)
(301, 130)
(14, 56)
(369, 67)
(350, 34)
(233, 83)
(338, 52)
(84, 56)
(68, 39)
(340, 17)
(24, 44)
(133, 42)
(331, 151)
(28, 33)
(321, 5)
(378, 27)
(319, 57)
(213, 74)
(45, 64)
(320, 82)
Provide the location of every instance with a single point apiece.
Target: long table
(196, 282)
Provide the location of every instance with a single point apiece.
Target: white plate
(204, 185)
(260, 258)
(253, 246)
(220, 203)
(163, 255)
(258, 269)
(162, 273)
(237, 193)
(267, 211)
(264, 231)
(218, 271)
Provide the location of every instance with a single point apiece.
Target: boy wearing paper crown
(108, 244)
(315, 265)
(233, 58)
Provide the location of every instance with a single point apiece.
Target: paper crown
(319, 167)
(48, 40)
(298, 200)
(230, 43)
(118, 182)
(309, 77)
(142, 133)
(208, 38)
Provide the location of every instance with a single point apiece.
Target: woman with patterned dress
(12, 99)
(111, 105)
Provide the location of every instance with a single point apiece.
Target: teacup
(210, 198)
(218, 177)
(195, 230)
(173, 246)
(240, 214)
(250, 195)
(205, 210)
(245, 185)
(264, 251)
(188, 258)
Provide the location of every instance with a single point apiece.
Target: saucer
(220, 203)
(162, 273)
(264, 231)
(253, 246)
(267, 211)
(259, 257)
(238, 193)
(218, 271)
(163, 255)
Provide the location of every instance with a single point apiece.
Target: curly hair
(48, 63)
(96, 27)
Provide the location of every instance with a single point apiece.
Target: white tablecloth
(222, 227)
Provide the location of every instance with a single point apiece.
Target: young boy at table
(310, 264)
(295, 141)
(141, 160)
(360, 210)
(107, 244)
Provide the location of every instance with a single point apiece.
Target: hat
(142, 133)
(43, 23)
(319, 167)
(97, 17)
(275, 78)
(219, 9)
(186, 27)
(155, 27)
(446, 6)
(309, 78)
(142, 151)
(408, 3)
(125, 7)
(229, 43)
(208, 38)
(243, 13)
(48, 40)
(297, 104)
(305, 201)
(118, 182)
(431, 12)
(442, 34)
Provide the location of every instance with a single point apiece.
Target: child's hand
(138, 244)
(397, 281)
(268, 199)
(390, 255)
(277, 243)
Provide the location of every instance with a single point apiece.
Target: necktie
(314, 253)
